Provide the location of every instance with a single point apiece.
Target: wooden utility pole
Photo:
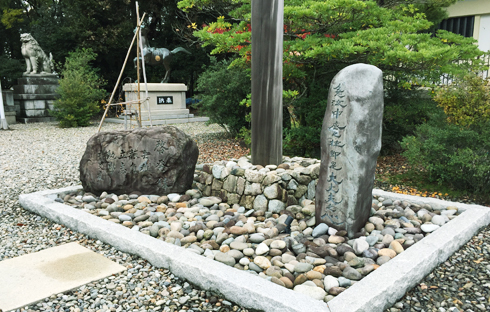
(267, 53)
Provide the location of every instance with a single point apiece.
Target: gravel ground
(462, 283)
(37, 157)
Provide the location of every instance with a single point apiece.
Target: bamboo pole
(138, 61)
(120, 74)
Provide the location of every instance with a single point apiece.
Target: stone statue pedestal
(167, 100)
(35, 94)
(9, 107)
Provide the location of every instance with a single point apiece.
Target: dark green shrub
(222, 89)
(11, 69)
(79, 91)
(451, 155)
(303, 120)
(404, 110)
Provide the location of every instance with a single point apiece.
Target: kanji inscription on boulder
(350, 144)
(152, 161)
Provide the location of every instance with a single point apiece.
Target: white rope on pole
(144, 77)
(138, 62)
(3, 120)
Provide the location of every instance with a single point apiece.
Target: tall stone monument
(267, 53)
(35, 92)
(350, 143)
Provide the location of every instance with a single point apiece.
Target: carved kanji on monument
(350, 142)
(158, 160)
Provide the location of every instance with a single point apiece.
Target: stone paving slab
(375, 292)
(33, 277)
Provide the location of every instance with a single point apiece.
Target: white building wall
(484, 33)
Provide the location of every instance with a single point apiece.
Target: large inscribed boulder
(350, 143)
(152, 161)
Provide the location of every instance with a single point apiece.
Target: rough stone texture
(260, 203)
(273, 191)
(351, 140)
(255, 187)
(230, 183)
(151, 161)
(275, 206)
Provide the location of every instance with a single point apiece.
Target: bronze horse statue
(157, 56)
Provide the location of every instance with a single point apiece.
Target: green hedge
(222, 89)
(80, 91)
(452, 155)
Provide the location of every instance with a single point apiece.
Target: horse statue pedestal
(167, 101)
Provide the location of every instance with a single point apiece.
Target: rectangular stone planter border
(238, 286)
(375, 292)
(388, 283)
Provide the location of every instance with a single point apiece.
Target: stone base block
(165, 99)
(170, 114)
(162, 114)
(35, 95)
(8, 97)
(36, 89)
(35, 119)
(10, 117)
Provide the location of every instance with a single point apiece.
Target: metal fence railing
(447, 79)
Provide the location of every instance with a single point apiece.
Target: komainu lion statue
(35, 57)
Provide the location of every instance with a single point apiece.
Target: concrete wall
(469, 7)
(481, 10)
(484, 33)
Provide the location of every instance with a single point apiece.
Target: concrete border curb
(238, 286)
(386, 285)
(375, 292)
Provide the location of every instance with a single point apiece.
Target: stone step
(48, 96)
(163, 116)
(9, 108)
(35, 89)
(156, 122)
(10, 117)
(39, 80)
(27, 120)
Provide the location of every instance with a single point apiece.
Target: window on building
(459, 25)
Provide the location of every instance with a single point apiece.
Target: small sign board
(165, 100)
